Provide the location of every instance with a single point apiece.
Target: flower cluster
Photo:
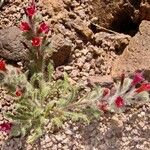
(29, 26)
(123, 93)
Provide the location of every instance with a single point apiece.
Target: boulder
(62, 46)
(121, 15)
(11, 46)
(136, 55)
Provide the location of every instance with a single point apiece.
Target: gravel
(129, 130)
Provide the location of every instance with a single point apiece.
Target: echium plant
(36, 31)
(40, 100)
(124, 93)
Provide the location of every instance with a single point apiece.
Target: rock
(82, 28)
(145, 10)
(136, 56)
(2, 2)
(62, 46)
(11, 47)
(113, 41)
(118, 14)
(102, 80)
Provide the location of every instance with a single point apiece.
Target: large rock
(116, 42)
(136, 56)
(62, 47)
(121, 14)
(11, 46)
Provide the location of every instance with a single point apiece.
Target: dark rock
(62, 47)
(119, 15)
(11, 47)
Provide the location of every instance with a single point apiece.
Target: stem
(71, 106)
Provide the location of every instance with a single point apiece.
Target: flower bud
(30, 11)
(119, 102)
(44, 28)
(24, 26)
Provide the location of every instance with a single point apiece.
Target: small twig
(100, 28)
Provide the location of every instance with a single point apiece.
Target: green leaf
(15, 131)
(76, 116)
(50, 69)
(35, 135)
(57, 121)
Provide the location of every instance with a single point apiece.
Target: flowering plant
(36, 31)
(41, 101)
(124, 93)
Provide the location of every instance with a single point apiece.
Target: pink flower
(24, 26)
(6, 127)
(18, 92)
(102, 106)
(30, 11)
(106, 92)
(119, 102)
(143, 87)
(137, 79)
(44, 28)
(36, 41)
(2, 65)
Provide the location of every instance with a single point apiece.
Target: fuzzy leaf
(35, 135)
(56, 121)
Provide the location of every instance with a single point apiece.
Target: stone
(11, 47)
(62, 46)
(136, 55)
(113, 41)
(102, 80)
(145, 10)
(118, 14)
(82, 28)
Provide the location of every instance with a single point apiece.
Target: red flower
(24, 26)
(30, 11)
(36, 41)
(102, 106)
(106, 92)
(6, 127)
(44, 28)
(2, 65)
(137, 79)
(143, 87)
(119, 102)
(18, 92)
